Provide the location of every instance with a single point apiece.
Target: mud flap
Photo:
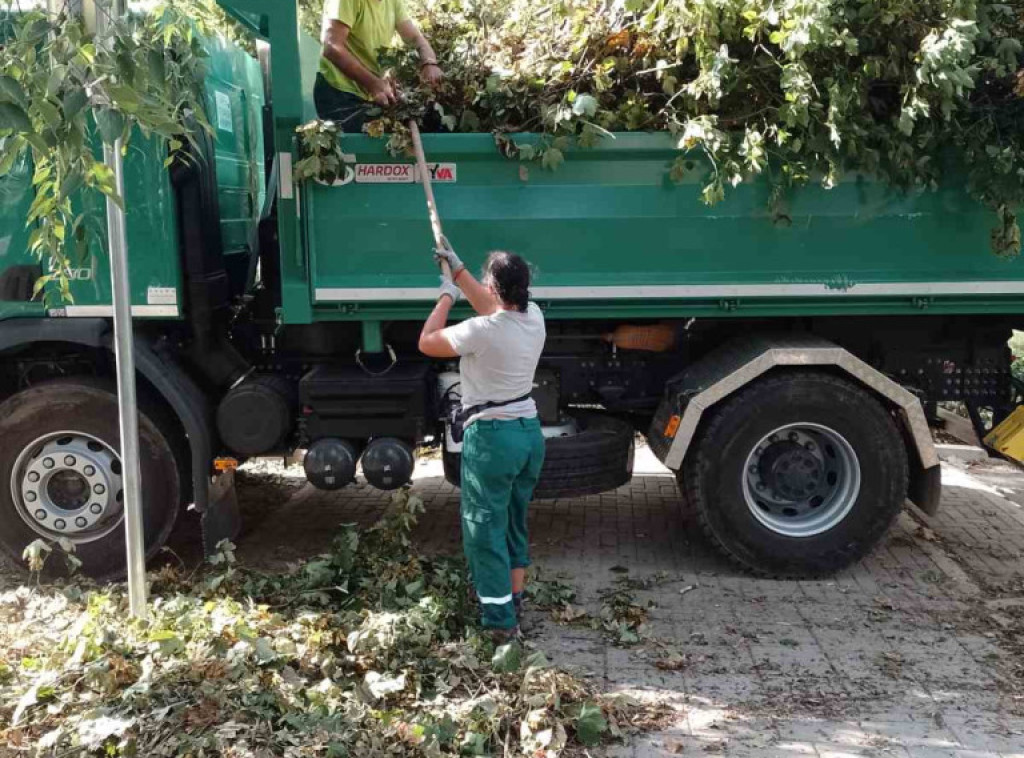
(221, 520)
(925, 488)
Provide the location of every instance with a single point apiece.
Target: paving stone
(911, 734)
(890, 657)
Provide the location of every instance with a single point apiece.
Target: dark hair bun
(510, 276)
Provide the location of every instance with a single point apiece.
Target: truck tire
(687, 509)
(596, 459)
(60, 475)
(799, 474)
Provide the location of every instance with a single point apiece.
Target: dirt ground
(916, 651)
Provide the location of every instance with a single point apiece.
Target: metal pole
(428, 189)
(124, 352)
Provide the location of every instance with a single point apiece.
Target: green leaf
(507, 658)
(40, 284)
(13, 148)
(553, 158)
(71, 184)
(126, 98)
(906, 123)
(74, 101)
(585, 105)
(166, 641)
(590, 724)
(470, 121)
(11, 91)
(678, 171)
(13, 118)
(49, 113)
(474, 743)
(101, 177)
(111, 125)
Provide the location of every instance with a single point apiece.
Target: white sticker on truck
(162, 296)
(403, 173)
(225, 118)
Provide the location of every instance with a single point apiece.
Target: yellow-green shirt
(372, 27)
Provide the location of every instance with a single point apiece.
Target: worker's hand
(450, 289)
(432, 74)
(383, 94)
(445, 253)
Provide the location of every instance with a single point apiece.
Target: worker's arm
(433, 342)
(412, 36)
(337, 52)
(478, 295)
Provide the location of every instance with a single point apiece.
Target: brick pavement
(908, 653)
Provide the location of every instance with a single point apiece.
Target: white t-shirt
(499, 355)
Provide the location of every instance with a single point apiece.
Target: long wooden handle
(428, 190)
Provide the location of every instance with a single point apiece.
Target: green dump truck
(784, 366)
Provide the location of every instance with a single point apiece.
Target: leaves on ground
(371, 649)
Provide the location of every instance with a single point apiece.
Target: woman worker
(503, 449)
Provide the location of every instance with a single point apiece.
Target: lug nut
(48, 462)
(99, 489)
(69, 460)
(41, 515)
(31, 497)
(33, 476)
(89, 470)
(793, 436)
(81, 522)
(96, 508)
(60, 523)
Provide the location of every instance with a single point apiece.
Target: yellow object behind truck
(1008, 437)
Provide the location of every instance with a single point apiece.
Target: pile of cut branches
(796, 90)
(371, 649)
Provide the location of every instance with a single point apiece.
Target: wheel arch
(739, 362)
(181, 395)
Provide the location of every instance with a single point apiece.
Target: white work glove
(449, 288)
(445, 253)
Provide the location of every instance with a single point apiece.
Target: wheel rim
(801, 479)
(68, 485)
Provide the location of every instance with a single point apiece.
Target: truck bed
(611, 235)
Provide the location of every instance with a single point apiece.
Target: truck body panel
(610, 235)
(235, 99)
(150, 218)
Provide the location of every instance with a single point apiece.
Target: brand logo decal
(404, 173)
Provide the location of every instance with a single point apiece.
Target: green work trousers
(501, 463)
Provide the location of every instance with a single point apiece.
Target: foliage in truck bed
(797, 90)
(369, 650)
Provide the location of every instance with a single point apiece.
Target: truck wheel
(797, 475)
(598, 458)
(60, 475)
(687, 508)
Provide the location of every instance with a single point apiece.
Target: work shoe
(503, 636)
(526, 624)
